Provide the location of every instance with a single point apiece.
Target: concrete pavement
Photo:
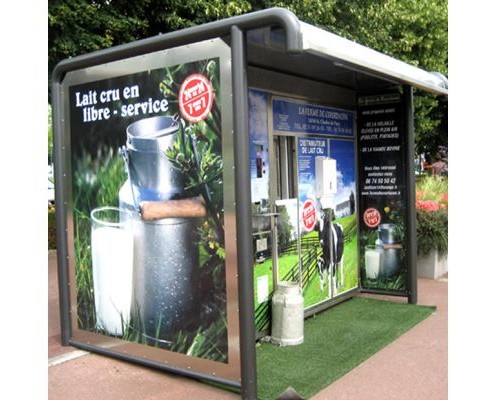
(412, 367)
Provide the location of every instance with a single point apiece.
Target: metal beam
(411, 195)
(270, 17)
(243, 215)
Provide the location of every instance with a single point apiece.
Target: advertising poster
(326, 196)
(327, 186)
(325, 206)
(258, 133)
(262, 221)
(381, 151)
(148, 209)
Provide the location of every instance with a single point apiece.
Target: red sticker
(196, 98)
(309, 215)
(372, 217)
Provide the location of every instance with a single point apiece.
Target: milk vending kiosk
(198, 169)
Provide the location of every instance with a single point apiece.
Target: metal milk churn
(287, 314)
(166, 254)
(390, 250)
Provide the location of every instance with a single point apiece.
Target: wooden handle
(392, 246)
(186, 208)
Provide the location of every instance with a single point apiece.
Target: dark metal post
(411, 195)
(60, 201)
(243, 215)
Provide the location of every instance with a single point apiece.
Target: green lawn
(312, 293)
(335, 342)
(285, 263)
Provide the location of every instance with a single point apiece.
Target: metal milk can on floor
(287, 314)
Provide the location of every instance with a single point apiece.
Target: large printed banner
(324, 168)
(382, 210)
(258, 151)
(327, 187)
(148, 195)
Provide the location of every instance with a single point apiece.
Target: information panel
(382, 206)
(297, 116)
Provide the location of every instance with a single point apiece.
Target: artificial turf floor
(335, 341)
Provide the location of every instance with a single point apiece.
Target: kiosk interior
(196, 170)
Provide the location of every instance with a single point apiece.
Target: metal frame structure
(289, 37)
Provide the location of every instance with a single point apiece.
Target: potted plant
(432, 227)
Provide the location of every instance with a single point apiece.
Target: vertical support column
(61, 214)
(411, 195)
(243, 214)
(274, 222)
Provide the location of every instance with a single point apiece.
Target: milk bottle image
(372, 261)
(112, 256)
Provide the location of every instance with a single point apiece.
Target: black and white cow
(333, 252)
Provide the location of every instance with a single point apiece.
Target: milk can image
(150, 173)
(166, 252)
(390, 248)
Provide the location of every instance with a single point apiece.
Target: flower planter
(432, 265)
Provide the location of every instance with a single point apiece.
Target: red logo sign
(308, 215)
(372, 217)
(196, 98)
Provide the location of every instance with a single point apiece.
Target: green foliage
(81, 26)
(411, 31)
(207, 343)
(284, 227)
(432, 221)
(96, 183)
(77, 27)
(432, 230)
(431, 187)
(52, 229)
(50, 135)
(98, 180)
(317, 12)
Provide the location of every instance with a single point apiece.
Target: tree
(81, 26)
(284, 227)
(50, 135)
(77, 27)
(411, 31)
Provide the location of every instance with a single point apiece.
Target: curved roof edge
(350, 54)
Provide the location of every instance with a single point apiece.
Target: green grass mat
(335, 342)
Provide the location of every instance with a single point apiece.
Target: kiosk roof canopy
(351, 55)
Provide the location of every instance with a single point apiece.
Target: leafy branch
(202, 169)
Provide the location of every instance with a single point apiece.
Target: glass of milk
(372, 261)
(112, 255)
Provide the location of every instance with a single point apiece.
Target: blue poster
(258, 132)
(342, 151)
(292, 116)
